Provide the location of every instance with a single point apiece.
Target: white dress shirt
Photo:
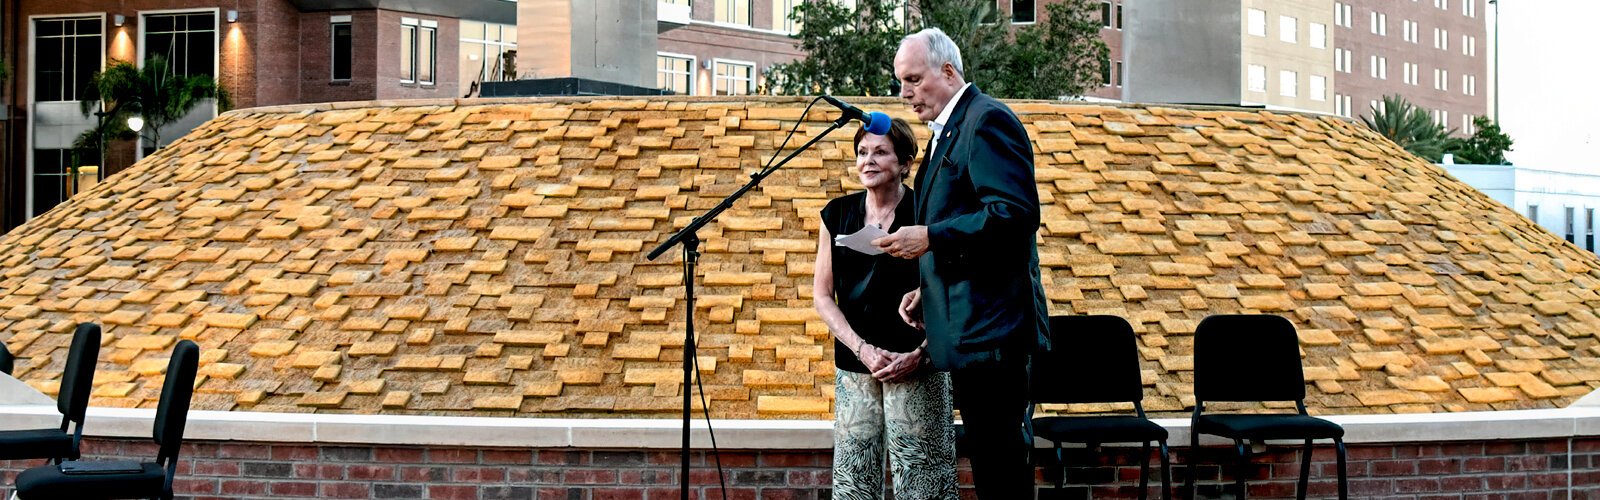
(937, 125)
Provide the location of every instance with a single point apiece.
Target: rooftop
(485, 258)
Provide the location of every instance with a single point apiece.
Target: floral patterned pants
(913, 417)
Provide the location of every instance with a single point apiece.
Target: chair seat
(1268, 426)
(35, 443)
(48, 482)
(1098, 429)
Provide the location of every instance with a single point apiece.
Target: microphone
(877, 123)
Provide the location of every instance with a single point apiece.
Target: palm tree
(1410, 127)
(153, 92)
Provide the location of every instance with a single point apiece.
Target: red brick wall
(1500, 469)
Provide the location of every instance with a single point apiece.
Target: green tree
(1486, 146)
(851, 52)
(154, 92)
(848, 51)
(1410, 127)
(1060, 56)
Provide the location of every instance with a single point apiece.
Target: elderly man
(980, 300)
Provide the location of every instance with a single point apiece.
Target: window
(1288, 29)
(1441, 79)
(1105, 70)
(1442, 4)
(488, 53)
(1288, 83)
(1258, 78)
(782, 10)
(1339, 106)
(418, 40)
(68, 54)
(1119, 17)
(56, 175)
(1409, 73)
(675, 73)
(1380, 67)
(1533, 213)
(1441, 39)
(1380, 24)
(1319, 88)
(1022, 11)
(734, 78)
(1408, 30)
(1341, 15)
(1467, 127)
(1469, 8)
(1571, 225)
(1119, 74)
(187, 41)
(1469, 45)
(339, 33)
(1347, 107)
(1256, 21)
(1318, 33)
(1588, 228)
(1105, 14)
(733, 12)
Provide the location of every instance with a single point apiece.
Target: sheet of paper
(861, 241)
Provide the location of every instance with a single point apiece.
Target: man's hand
(911, 308)
(908, 242)
(900, 366)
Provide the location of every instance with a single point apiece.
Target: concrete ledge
(731, 434)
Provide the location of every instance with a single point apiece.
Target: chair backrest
(77, 381)
(1092, 359)
(1247, 357)
(172, 414)
(7, 361)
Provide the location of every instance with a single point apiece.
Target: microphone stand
(691, 254)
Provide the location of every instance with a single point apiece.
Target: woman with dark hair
(885, 396)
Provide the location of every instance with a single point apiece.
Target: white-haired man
(977, 215)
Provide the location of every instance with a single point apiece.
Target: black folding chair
(1095, 360)
(1254, 357)
(127, 479)
(72, 400)
(7, 361)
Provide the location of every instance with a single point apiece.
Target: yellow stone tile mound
(487, 258)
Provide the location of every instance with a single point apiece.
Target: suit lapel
(934, 159)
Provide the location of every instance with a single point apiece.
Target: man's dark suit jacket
(981, 293)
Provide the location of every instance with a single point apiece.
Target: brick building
(262, 52)
(1433, 52)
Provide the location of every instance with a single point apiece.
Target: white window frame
(1288, 29)
(1013, 13)
(694, 68)
(1318, 88)
(1256, 78)
(1318, 35)
(750, 15)
(28, 148)
(1288, 83)
(418, 25)
(1255, 22)
(780, 19)
(715, 79)
(333, 23)
(216, 41)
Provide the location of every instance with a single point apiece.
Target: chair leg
(1305, 471)
(1344, 488)
(1166, 473)
(1061, 463)
(1244, 464)
(1144, 470)
(1194, 451)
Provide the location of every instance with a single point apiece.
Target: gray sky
(1550, 71)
